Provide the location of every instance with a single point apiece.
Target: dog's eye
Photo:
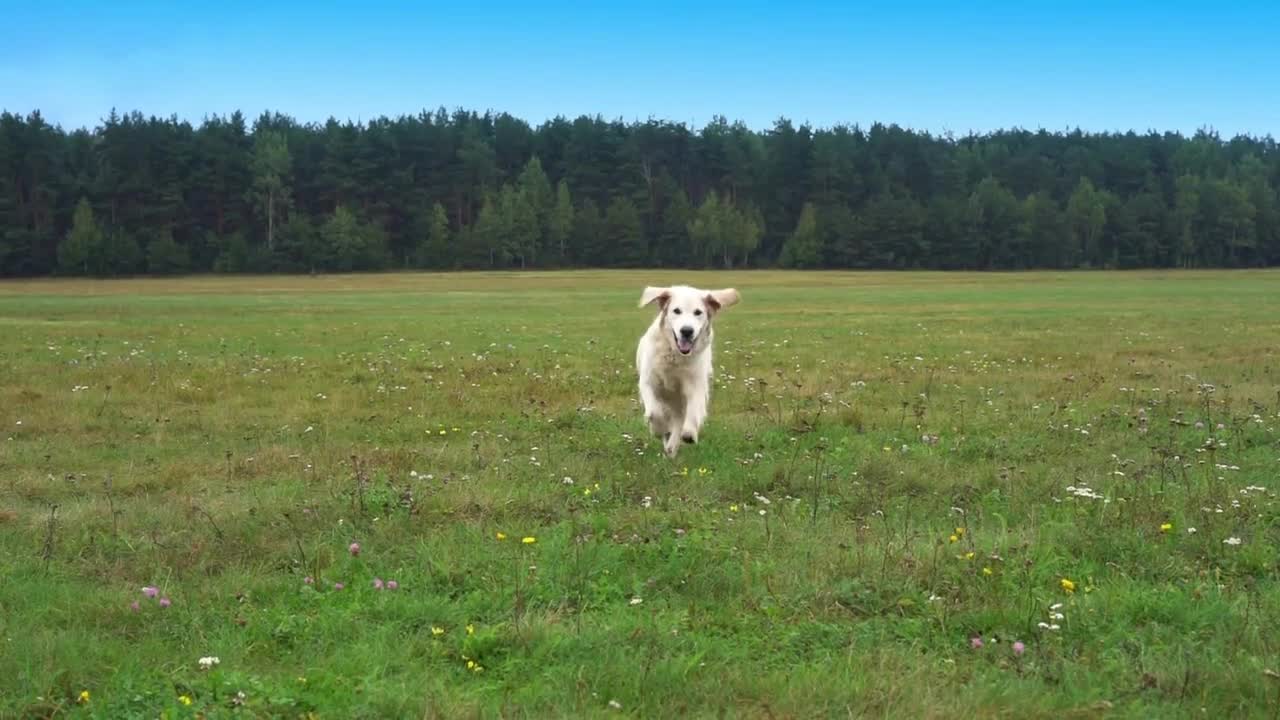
(676, 311)
(697, 312)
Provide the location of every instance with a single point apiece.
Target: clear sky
(958, 66)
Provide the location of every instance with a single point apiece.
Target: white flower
(1231, 541)
(1191, 531)
(615, 704)
(647, 502)
(209, 662)
(636, 600)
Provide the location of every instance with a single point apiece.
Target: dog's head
(686, 313)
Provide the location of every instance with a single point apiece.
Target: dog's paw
(689, 437)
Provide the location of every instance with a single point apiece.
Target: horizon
(942, 69)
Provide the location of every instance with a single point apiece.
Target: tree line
(452, 190)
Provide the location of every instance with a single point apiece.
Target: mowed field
(917, 496)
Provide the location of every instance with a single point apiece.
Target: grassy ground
(897, 468)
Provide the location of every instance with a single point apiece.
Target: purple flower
(975, 643)
(338, 586)
(134, 606)
(392, 585)
(150, 591)
(354, 549)
(377, 584)
(1019, 648)
(164, 602)
(308, 580)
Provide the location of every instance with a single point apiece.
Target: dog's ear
(719, 299)
(650, 294)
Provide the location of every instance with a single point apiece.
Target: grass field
(918, 495)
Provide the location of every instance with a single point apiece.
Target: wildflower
(615, 704)
(529, 540)
(969, 555)
(987, 571)
(1067, 585)
(471, 664)
(954, 538)
(975, 642)
(209, 662)
(308, 580)
(703, 471)
(959, 532)
(1231, 541)
(636, 600)
(471, 629)
(150, 591)
(1191, 531)
(184, 699)
(444, 432)
(354, 549)
(1019, 648)
(501, 536)
(684, 471)
(338, 586)
(393, 585)
(1166, 527)
(83, 697)
(164, 602)
(378, 584)
(134, 606)
(733, 508)
(437, 630)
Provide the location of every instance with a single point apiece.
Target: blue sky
(929, 65)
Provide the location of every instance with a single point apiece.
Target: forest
(467, 190)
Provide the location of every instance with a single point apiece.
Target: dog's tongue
(684, 345)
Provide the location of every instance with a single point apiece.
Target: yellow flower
(1067, 585)
(184, 699)
(684, 471)
(987, 571)
(703, 471)
(733, 508)
(968, 555)
(501, 536)
(471, 629)
(1166, 527)
(471, 664)
(529, 540)
(586, 492)
(437, 630)
(444, 432)
(83, 697)
(954, 538)
(960, 532)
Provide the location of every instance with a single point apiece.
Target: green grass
(223, 439)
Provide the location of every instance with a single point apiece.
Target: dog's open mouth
(683, 344)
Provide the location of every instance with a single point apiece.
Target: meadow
(918, 495)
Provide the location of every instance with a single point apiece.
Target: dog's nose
(686, 332)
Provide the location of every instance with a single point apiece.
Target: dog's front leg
(695, 413)
(653, 414)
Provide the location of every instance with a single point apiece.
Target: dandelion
(733, 507)
(975, 642)
(164, 602)
(1067, 585)
(150, 591)
(959, 532)
(354, 549)
(1019, 648)
(529, 540)
(987, 571)
(184, 699)
(1166, 527)
(471, 629)
(501, 536)
(954, 538)
(83, 697)
(209, 662)
(969, 555)
(436, 630)
(1231, 541)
